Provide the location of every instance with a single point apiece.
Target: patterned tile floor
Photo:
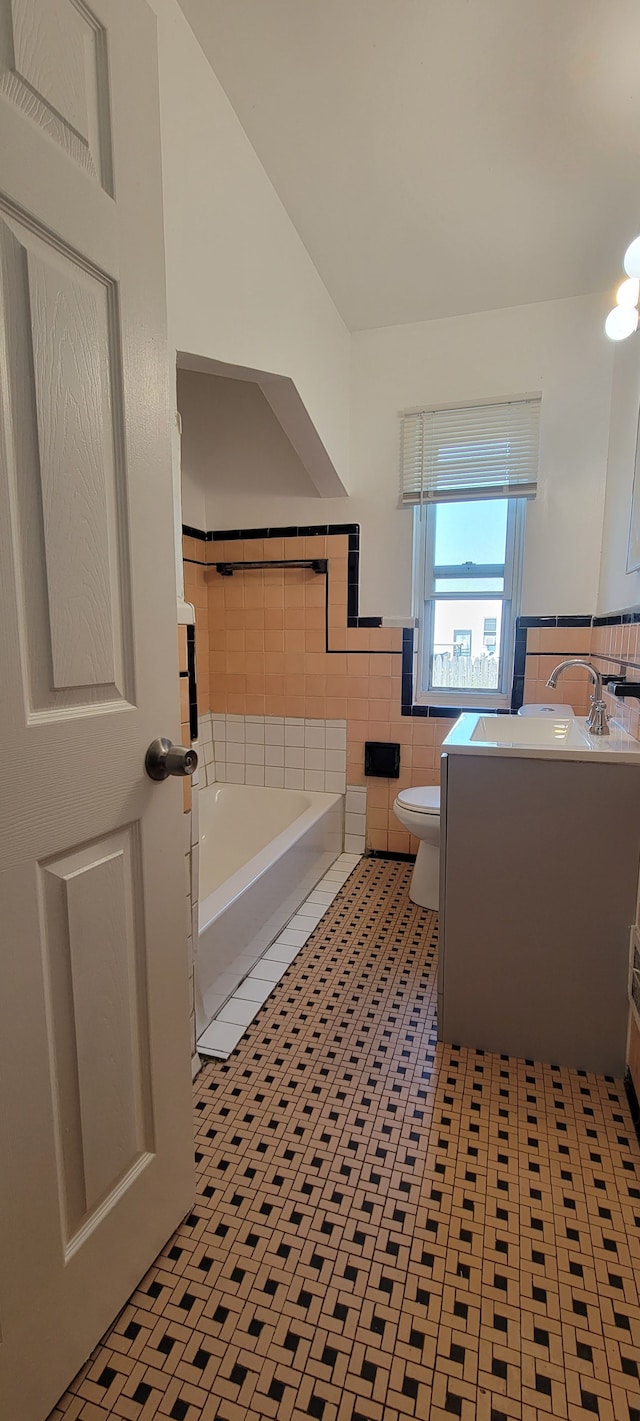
(386, 1227)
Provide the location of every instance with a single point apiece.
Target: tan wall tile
(574, 641)
(184, 699)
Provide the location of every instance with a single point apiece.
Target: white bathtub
(261, 853)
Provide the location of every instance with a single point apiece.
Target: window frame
(425, 597)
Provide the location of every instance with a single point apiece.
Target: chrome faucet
(597, 719)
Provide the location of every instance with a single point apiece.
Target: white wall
(618, 588)
(241, 287)
(556, 347)
(233, 448)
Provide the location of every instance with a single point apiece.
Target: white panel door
(96, 1153)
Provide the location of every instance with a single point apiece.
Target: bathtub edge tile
(220, 1038)
(238, 1011)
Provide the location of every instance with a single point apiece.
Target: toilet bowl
(418, 810)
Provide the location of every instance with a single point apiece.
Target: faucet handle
(597, 719)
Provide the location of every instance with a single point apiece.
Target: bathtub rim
(221, 898)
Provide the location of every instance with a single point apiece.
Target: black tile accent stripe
(353, 578)
(226, 535)
(634, 1103)
(572, 621)
(611, 619)
(407, 670)
(351, 530)
(618, 619)
(193, 689)
(519, 664)
(389, 854)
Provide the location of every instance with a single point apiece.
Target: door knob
(163, 759)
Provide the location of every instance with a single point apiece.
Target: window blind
(477, 451)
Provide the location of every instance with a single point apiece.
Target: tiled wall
(196, 592)
(280, 647)
(280, 752)
(616, 650)
(285, 666)
(545, 647)
(612, 645)
(284, 643)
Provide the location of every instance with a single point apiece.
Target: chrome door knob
(163, 759)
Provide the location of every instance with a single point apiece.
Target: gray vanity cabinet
(539, 875)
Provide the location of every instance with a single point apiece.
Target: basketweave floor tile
(385, 1226)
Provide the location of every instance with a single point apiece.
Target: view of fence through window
(475, 672)
(467, 602)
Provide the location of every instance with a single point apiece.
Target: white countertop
(539, 738)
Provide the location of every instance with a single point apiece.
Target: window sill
(438, 709)
(495, 701)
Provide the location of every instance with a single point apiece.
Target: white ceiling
(441, 156)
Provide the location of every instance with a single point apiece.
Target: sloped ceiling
(441, 156)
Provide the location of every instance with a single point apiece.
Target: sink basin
(544, 731)
(546, 737)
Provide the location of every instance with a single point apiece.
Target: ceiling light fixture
(623, 320)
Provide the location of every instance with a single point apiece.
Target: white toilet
(418, 810)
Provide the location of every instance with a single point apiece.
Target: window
(468, 561)
(468, 472)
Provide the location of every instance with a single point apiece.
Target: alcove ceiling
(439, 157)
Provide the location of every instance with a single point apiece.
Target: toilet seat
(421, 799)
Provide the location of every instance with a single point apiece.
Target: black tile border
(519, 664)
(611, 619)
(193, 689)
(389, 854)
(634, 1103)
(577, 620)
(615, 619)
(311, 530)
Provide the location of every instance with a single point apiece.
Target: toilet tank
(544, 708)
